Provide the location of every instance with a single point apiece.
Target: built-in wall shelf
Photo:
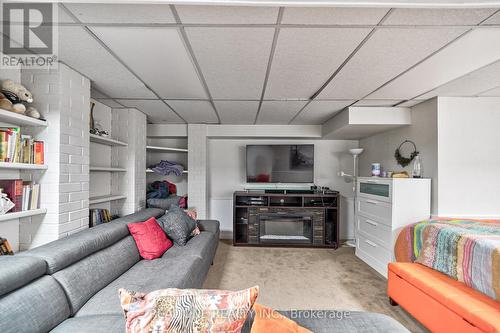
(25, 213)
(105, 198)
(22, 166)
(106, 141)
(20, 119)
(185, 172)
(106, 169)
(166, 149)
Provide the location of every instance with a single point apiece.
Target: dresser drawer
(376, 230)
(374, 249)
(375, 210)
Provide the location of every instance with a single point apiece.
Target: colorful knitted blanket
(466, 250)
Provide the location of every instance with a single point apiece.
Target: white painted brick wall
(62, 96)
(129, 125)
(197, 161)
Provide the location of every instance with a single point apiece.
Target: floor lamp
(355, 152)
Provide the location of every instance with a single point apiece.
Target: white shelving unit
(105, 198)
(20, 119)
(185, 172)
(105, 174)
(106, 141)
(22, 166)
(170, 149)
(25, 213)
(107, 169)
(166, 149)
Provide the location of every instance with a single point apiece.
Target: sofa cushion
(149, 238)
(36, 307)
(187, 310)
(177, 225)
(146, 276)
(86, 277)
(94, 324)
(475, 307)
(212, 226)
(328, 321)
(202, 246)
(17, 271)
(66, 251)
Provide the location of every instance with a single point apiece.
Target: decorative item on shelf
(417, 167)
(404, 161)
(13, 97)
(91, 116)
(5, 248)
(375, 169)
(402, 174)
(5, 203)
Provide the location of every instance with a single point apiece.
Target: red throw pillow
(149, 238)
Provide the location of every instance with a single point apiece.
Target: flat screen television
(280, 163)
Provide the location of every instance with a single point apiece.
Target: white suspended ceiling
(277, 65)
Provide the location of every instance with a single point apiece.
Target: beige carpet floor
(306, 279)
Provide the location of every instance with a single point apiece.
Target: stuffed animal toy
(16, 94)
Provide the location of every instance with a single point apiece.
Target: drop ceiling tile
(233, 60)
(159, 57)
(195, 112)
(121, 13)
(227, 14)
(110, 102)
(469, 85)
(317, 112)
(385, 55)
(495, 19)
(436, 16)
(377, 102)
(156, 110)
(495, 92)
(474, 50)
(337, 16)
(279, 112)
(83, 53)
(237, 112)
(306, 57)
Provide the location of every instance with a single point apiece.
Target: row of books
(5, 248)
(99, 216)
(24, 194)
(19, 148)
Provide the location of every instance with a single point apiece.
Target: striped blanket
(466, 250)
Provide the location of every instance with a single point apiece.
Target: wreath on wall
(404, 161)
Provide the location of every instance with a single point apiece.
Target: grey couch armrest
(209, 225)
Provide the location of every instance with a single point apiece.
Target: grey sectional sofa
(71, 285)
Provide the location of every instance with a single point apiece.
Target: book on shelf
(5, 248)
(24, 195)
(99, 216)
(14, 190)
(16, 147)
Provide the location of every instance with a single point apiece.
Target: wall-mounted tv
(280, 163)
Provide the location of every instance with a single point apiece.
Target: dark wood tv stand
(293, 218)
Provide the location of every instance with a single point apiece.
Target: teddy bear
(12, 97)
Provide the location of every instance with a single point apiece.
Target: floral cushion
(187, 310)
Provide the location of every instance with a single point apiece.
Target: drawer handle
(370, 243)
(372, 202)
(371, 222)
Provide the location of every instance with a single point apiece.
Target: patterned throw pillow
(187, 310)
(177, 225)
(191, 212)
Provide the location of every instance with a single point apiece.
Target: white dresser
(383, 207)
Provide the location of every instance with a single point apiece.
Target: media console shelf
(285, 219)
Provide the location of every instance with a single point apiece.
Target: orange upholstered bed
(439, 302)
